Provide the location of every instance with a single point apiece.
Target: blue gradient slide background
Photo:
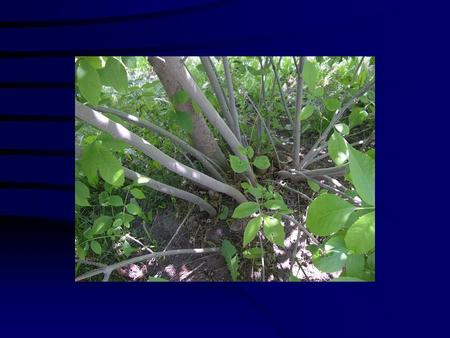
(38, 297)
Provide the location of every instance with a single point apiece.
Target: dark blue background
(38, 295)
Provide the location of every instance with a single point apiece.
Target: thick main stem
(201, 136)
(179, 72)
(118, 131)
(297, 120)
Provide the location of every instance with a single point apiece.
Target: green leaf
(115, 201)
(110, 168)
(96, 158)
(360, 237)
(273, 230)
(133, 209)
(354, 266)
(137, 193)
(362, 170)
(82, 194)
(223, 215)
(338, 148)
(252, 253)
(180, 97)
(332, 104)
(330, 262)
(114, 75)
(327, 214)
(306, 112)
(357, 117)
(251, 230)
(293, 278)
(239, 166)
(335, 243)
(245, 209)
(103, 198)
(346, 279)
(275, 204)
(96, 247)
(371, 153)
(183, 120)
(256, 192)
(229, 253)
(314, 186)
(261, 162)
(88, 82)
(371, 261)
(156, 279)
(310, 73)
(127, 249)
(101, 224)
(94, 61)
(249, 152)
(342, 128)
(318, 92)
(129, 61)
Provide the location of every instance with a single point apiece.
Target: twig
(297, 121)
(284, 185)
(265, 127)
(178, 229)
(263, 271)
(292, 219)
(233, 109)
(337, 116)
(280, 89)
(106, 270)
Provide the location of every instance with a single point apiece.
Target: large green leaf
(327, 214)
(96, 247)
(134, 209)
(183, 120)
(354, 266)
(252, 253)
(137, 193)
(101, 224)
(252, 229)
(239, 166)
(231, 258)
(180, 97)
(96, 158)
(114, 75)
(261, 162)
(273, 230)
(332, 104)
(310, 73)
(330, 262)
(245, 209)
(357, 117)
(110, 168)
(362, 170)
(82, 194)
(88, 82)
(116, 201)
(360, 237)
(306, 112)
(337, 148)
